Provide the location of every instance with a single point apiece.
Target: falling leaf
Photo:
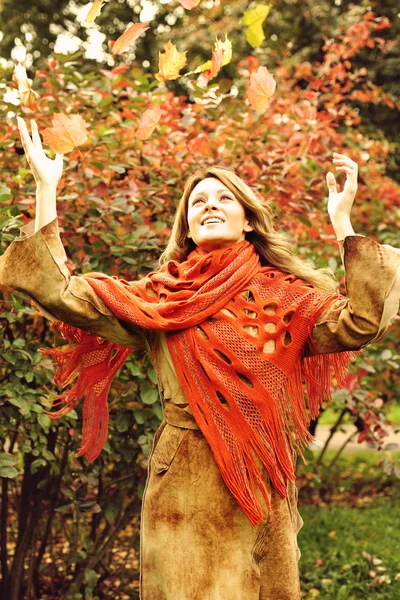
(94, 11)
(170, 62)
(130, 35)
(26, 93)
(148, 123)
(67, 132)
(254, 19)
(189, 4)
(262, 88)
(210, 68)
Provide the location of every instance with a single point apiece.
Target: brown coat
(196, 543)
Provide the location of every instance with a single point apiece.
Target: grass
(351, 553)
(350, 542)
(329, 416)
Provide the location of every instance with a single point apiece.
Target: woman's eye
(227, 197)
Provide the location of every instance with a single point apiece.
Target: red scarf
(237, 333)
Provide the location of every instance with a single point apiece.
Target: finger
(347, 170)
(331, 182)
(340, 158)
(25, 137)
(35, 134)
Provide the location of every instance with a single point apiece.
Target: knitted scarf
(239, 335)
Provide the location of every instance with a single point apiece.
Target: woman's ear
(248, 227)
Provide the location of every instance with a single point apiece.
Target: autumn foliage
(131, 143)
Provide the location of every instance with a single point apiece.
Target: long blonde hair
(273, 248)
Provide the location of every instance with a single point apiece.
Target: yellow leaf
(332, 534)
(262, 88)
(26, 93)
(94, 11)
(129, 36)
(148, 123)
(170, 62)
(189, 4)
(254, 19)
(226, 47)
(67, 132)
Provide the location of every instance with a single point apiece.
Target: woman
(233, 322)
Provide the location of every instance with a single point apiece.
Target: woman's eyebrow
(220, 191)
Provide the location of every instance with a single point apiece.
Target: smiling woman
(234, 322)
(216, 218)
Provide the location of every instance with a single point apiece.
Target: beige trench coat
(196, 543)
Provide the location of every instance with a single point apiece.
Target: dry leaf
(189, 4)
(66, 133)
(94, 11)
(26, 93)
(130, 35)
(254, 19)
(212, 67)
(262, 88)
(170, 63)
(148, 123)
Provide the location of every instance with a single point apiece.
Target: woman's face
(215, 216)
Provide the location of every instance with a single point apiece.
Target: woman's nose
(211, 204)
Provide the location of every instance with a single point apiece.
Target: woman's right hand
(46, 171)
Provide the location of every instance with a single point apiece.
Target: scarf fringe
(90, 361)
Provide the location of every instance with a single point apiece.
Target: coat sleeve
(35, 264)
(372, 279)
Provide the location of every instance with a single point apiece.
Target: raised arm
(35, 262)
(372, 274)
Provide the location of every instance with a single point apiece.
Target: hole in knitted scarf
(269, 347)
(204, 371)
(290, 278)
(222, 400)
(286, 338)
(201, 332)
(206, 265)
(228, 313)
(225, 255)
(250, 313)
(173, 269)
(162, 298)
(223, 356)
(270, 309)
(245, 380)
(270, 327)
(150, 291)
(251, 330)
(286, 319)
(248, 295)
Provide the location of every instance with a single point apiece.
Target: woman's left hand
(340, 203)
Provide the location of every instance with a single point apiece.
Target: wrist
(42, 185)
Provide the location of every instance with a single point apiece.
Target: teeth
(213, 220)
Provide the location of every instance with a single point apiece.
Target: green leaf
(7, 460)
(122, 423)
(148, 395)
(9, 472)
(39, 462)
(254, 19)
(44, 421)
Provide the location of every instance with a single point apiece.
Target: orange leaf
(130, 35)
(170, 62)
(189, 4)
(67, 133)
(26, 93)
(148, 123)
(262, 88)
(94, 11)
